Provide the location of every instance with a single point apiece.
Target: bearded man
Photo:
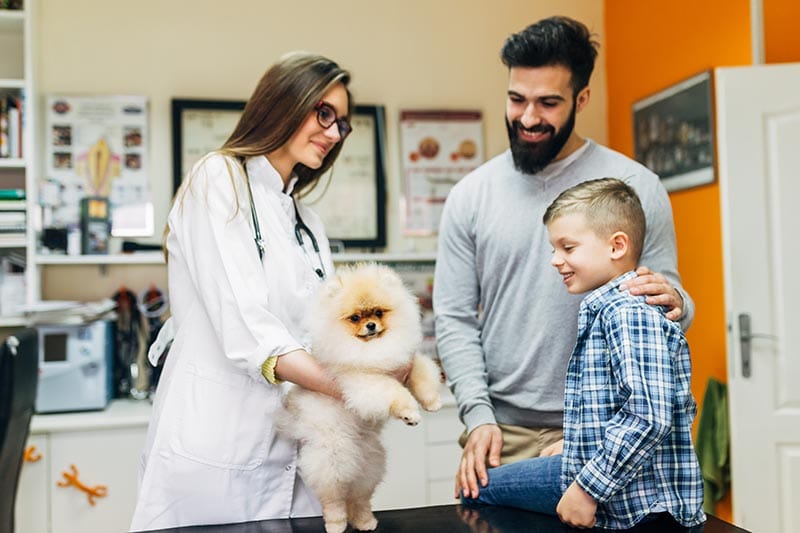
(505, 324)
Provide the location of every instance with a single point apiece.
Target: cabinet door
(442, 430)
(32, 511)
(108, 457)
(404, 484)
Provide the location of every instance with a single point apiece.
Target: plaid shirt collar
(595, 300)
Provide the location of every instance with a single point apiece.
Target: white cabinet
(421, 460)
(443, 454)
(105, 448)
(18, 159)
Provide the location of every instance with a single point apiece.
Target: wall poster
(96, 147)
(438, 148)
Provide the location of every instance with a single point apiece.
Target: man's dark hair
(554, 41)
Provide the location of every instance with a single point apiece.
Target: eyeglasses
(326, 116)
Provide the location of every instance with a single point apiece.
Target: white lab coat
(212, 455)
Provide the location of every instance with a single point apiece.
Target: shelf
(157, 258)
(12, 162)
(389, 257)
(11, 83)
(138, 258)
(12, 321)
(15, 242)
(11, 20)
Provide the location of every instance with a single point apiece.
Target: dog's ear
(389, 277)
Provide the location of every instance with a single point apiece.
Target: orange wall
(649, 46)
(781, 38)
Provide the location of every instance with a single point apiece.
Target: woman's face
(311, 142)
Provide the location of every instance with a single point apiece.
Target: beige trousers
(521, 442)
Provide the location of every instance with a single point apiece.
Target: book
(4, 142)
(14, 126)
(12, 194)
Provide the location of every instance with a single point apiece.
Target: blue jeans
(532, 484)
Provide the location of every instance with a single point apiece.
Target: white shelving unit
(156, 258)
(17, 78)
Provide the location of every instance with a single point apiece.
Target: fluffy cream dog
(365, 326)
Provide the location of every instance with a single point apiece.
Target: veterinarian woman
(244, 257)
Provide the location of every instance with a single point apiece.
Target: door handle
(746, 337)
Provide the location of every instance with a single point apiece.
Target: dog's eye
(354, 318)
(378, 313)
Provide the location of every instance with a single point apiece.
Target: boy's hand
(576, 508)
(658, 290)
(557, 448)
(483, 441)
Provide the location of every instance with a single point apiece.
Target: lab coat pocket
(225, 419)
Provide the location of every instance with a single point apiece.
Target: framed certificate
(199, 127)
(350, 198)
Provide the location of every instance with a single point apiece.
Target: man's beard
(531, 158)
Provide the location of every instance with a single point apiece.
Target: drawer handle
(98, 491)
(31, 455)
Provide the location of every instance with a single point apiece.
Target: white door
(758, 126)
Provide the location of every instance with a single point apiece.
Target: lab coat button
(288, 468)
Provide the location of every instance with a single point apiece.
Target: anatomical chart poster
(438, 148)
(97, 147)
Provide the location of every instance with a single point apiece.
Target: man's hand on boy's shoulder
(657, 289)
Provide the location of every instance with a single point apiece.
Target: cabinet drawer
(102, 457)
(32, 505)
(440, 492)
(443, 461)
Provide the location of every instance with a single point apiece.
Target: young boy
(627, 455)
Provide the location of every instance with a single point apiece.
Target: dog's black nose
(371, 326)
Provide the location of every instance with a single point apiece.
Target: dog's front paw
(432, 404)
(408, 414)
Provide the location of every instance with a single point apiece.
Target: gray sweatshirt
(505, 323)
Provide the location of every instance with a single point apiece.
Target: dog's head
(365, 311)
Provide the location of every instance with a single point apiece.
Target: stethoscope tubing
(299, 227)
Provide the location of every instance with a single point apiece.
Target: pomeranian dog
(365, 329)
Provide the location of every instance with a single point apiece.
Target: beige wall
(402, 53)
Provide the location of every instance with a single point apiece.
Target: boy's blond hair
(609, 205)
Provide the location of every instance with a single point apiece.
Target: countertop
(118, 414)
(443, 519)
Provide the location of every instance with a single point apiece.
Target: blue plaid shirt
(628, 412)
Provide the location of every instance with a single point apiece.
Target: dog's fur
(364, 326)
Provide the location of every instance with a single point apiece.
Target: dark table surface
(445, 519)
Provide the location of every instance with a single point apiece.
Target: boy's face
(584, 260)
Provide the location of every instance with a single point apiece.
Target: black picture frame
(673, 133)
(215, 116)
(350, 198)
(353, 201)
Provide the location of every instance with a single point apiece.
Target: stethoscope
(299, 228)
